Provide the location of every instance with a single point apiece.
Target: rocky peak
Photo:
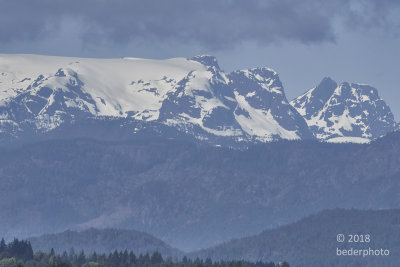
(348, 110)
(207, 60)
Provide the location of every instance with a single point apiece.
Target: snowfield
(192, 97)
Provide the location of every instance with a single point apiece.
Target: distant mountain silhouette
(312, 241)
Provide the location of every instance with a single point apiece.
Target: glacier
(191, 98)
(194, 97)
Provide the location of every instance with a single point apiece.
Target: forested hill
(312, 241)
(103, 241)
(190, 196)
(20, 254)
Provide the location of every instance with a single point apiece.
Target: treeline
(20, 254)
(21, 250)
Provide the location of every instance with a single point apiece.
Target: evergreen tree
(156, 258)
(114, 258)
(72, 255)
(132, 258)
(125, 258)
(81, 259)
(21, 252)
(64, 257)
(284, 264)
(20, 249)
(3, 245)
(93, 257)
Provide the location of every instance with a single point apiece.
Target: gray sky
(348, 40)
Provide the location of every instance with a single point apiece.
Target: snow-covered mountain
(179, 97)
(349, 112)
(193, 97)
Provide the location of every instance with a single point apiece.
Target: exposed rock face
(192, 97)
(345, 112)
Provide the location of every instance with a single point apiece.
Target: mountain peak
(206, 60)
(174, 97)
(348, 110)
(325, 89)
(41, 94)
(314, 99)
(327, 82)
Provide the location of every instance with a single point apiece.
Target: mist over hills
(189, 195)
(103, 241)
(182, 150)
(312, 241)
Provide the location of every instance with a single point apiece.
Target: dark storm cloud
(374, 13)
(210, 23)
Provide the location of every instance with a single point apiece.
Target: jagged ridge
(194, 96)
(345, 112)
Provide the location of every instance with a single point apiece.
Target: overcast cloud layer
(208, 23)
(304, 40)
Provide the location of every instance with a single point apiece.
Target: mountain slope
(312, 241)
(189, 96)
(103, 241)
(190, 196)
(346, 112)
